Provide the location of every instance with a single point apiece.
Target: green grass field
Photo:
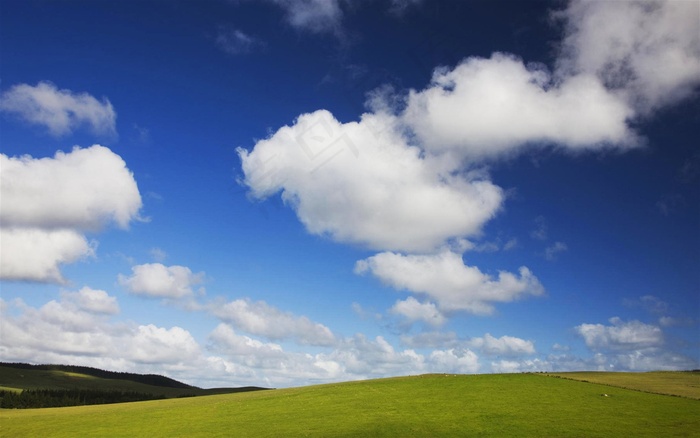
(682, 384)
(432, 405)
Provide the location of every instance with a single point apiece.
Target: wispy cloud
(552, 251)
(316, 16)
(236, 42)
(261, 319)
(60, 111)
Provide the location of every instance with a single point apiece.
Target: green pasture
(682, 384)
(422, 406)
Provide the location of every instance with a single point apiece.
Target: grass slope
(432, 405)
(18, 379)
(682, 384)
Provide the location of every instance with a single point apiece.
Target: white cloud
(361, 183)
(652, 361)
(31, 254)
(484, 108)
(446, 279)
(620, 335)
(160, 281)
(92, 301)
(507, 346)
(226, 339)
(83, 189)
(397, 179)
(362, 357)
(503, 346)
(236, 42)
(71, 331)
(454, 361)
(506, 366)
(60, 111)
(157, 345)
(261, 319)
(413, 310)
(47, 204)
(560, 364)
(648, 52)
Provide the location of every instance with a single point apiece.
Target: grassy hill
(20, 377)
(430, 405)
(681, 384)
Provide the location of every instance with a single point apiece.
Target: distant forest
(148, 379)
(53, 398)
(40, 391)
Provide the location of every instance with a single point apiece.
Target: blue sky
(290, 192)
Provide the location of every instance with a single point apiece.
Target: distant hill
(26, 385)
(148, 379)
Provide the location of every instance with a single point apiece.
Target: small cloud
(445, 280)
(654, 304)
(690, 169)
(503, 346)
(414, 311)
(649, 303)
(550, 253)
(540, 231)
(37, 255)
(670, 203)
(141, 135)
(159, 281)
(620, 335)
(511, 244)
(155, 196)
(236, 42)
(399, 7)
(316, 16)
(365, 313)
(92, 301)
(261, 319)
(669, 321)
(560, 348)
(486, 247)
(60, 111)
(158, 254)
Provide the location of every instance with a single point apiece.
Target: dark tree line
(148, 379)
(53, 398)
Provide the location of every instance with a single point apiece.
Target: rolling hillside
(23, 377)
(430, 405)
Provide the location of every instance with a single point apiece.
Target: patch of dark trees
(54, 398)
(148, 379)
